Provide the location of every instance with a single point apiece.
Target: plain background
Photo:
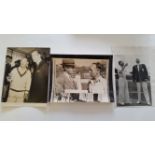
(128, 45)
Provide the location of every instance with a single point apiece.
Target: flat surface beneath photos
(87, 45)
(76, 112)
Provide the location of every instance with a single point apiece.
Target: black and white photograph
(133, 80)
(82, 79)
(26, 75)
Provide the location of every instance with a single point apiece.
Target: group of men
(23, 85)
(67, 81)
(140, 77)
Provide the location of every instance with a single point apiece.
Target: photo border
(4, 105)
(80, 56)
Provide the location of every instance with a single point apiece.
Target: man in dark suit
(39, 86)
(141, 77)
(6, 82)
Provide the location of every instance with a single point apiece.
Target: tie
(138, 66)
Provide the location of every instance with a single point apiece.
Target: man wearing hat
(65, 81)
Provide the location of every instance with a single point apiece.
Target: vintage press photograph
(26, 75)
(81, 79)
(132, 77)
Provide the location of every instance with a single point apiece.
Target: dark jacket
(39, 86)
(7, 72)
(141, 74)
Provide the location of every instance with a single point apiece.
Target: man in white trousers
(141, 77)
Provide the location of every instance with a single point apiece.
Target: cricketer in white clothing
(98, 86)
(20, 82)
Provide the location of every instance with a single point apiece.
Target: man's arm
(10, 76)
(146, 72)
(28, 85)
(133, 73)
(59, 85)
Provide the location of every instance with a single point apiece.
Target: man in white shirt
(99, 86)
(20, 82)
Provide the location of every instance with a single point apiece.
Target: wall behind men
(79, 44)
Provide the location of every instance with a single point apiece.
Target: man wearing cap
(65, 81)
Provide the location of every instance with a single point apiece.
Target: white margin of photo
(113, 49)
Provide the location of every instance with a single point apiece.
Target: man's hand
(26, 96)
(8, 78)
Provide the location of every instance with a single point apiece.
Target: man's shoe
(138, 102)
